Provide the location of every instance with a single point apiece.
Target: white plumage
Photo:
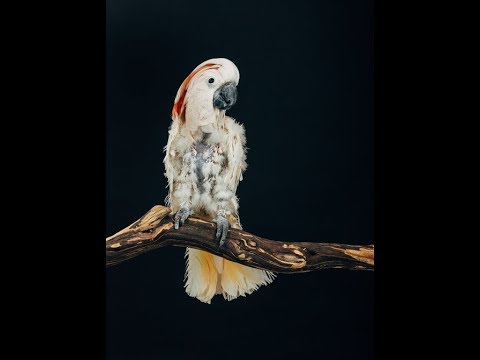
(204, 161)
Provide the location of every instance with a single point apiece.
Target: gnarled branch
(155, 229)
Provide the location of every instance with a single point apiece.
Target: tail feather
(201, 275)
(204, 277)
(240, 280)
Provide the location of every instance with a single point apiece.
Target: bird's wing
(236, 153)
(173, 132)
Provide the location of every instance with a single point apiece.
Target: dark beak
(225, 96)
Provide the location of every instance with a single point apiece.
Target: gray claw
(222, 230)
(181, 216)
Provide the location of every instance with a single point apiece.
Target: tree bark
(155, 229)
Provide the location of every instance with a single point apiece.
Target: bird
(205, 157)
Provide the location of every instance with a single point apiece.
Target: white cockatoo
(204, 161)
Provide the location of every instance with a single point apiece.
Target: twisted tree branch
(155, 229)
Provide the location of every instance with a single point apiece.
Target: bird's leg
(222, 227)
(182, 214)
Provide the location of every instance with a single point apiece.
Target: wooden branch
(155, 229)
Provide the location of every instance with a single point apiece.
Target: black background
(306, 100)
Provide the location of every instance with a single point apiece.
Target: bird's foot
(222, 230)
(181, 216)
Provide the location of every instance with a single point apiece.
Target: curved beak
(225, 96)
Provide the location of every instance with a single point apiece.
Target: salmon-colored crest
(179, 106)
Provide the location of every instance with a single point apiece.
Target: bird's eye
(211, 80)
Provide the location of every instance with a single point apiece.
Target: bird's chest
(204, 162)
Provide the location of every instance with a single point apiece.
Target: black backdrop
(306, 100)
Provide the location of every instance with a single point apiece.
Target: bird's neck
(199, 128)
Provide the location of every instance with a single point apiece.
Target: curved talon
(222, 230)
(181, 216)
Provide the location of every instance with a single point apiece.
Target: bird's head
(209, 90)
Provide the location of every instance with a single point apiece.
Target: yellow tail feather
(205, 276)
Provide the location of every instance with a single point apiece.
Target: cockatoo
(204, 161)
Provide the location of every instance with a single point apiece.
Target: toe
(224, 233)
